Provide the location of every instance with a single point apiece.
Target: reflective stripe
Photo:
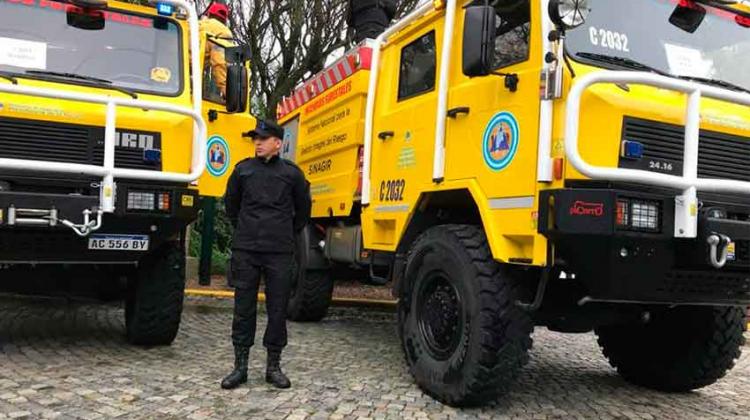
(336, 74)
(512, 203)
(347, 66)
(328, 77)
(392, 209)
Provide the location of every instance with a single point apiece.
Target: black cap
(265, 129)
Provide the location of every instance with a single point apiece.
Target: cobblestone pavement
(69, 360)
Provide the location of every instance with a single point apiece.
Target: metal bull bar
(686, 204)
(108, 171)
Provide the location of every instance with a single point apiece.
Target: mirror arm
(511, 79)
(558, 35)
(566, 58)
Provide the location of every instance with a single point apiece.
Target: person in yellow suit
(214, 25)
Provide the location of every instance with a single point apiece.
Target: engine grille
(62, 142)
(742, 255)
(720, 155)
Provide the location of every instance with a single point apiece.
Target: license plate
(137, 243)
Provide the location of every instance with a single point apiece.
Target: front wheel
(679, 349)
(153, 307)
(463, 337)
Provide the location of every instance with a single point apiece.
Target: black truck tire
(679, 349)
(462, 334)
(153, 307)
(312, 287)
(311, 296)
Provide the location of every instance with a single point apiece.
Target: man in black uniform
(267, 202)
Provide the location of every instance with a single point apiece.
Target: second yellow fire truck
(577, 165)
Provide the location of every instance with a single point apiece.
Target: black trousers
(246, 271)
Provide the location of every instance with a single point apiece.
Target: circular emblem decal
(217, 161)
(500, 141)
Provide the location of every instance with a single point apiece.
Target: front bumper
(21, 243)
(619, 263)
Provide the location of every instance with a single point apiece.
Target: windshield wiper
(621, 61)
(10, 76)
(100, 82)
(715, 82)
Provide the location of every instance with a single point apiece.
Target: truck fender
(309, 254)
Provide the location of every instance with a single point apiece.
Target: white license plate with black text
(119, 242)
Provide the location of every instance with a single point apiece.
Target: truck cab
(107, 146)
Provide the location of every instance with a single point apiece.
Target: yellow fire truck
(110, 131)
(577, 165)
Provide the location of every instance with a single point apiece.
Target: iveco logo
(134, 140)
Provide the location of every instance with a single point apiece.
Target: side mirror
(688, 16)
(479, 40)
(237, 54)
(237, 90)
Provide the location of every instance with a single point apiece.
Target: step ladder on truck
(111, 131)
(576, 165)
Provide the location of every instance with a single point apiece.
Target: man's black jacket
(267, 203)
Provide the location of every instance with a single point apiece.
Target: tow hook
(719, 249)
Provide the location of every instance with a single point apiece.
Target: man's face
(267, 147)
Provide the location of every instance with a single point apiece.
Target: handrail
(688, 182)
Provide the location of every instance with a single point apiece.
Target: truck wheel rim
(439, 315)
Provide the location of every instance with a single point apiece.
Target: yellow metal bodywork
(330, 132)
(605, 106)
(176, 132)
(511, 232)
(507, 200)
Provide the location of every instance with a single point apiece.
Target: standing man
(267, 202)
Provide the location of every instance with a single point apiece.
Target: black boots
(239, 374)
(274, 375)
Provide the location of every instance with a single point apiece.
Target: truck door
(492, 134)
(225, 144)
(404, 128)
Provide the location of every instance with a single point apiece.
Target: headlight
(149, 201)
(568, 14)
(138, 200)
(640, 215)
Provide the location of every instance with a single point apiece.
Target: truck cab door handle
(453, 112)
(384, 135)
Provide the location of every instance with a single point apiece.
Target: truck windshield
(50, 39)
(640, 32)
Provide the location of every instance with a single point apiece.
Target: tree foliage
(289, 41)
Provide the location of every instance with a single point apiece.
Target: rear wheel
(312, 290)
(679, 349)
(153, 307)
(463, 337)
(311, 297)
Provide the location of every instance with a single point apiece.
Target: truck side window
(211, 89)
(513, 32)
(417, 68)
